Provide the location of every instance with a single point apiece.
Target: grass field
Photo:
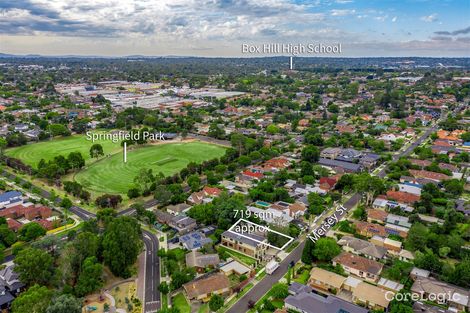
(31, 154)
(112, 175)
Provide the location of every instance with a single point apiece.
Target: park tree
(34, 300)
(216, 302)
(121, 245)
(144, 179)
(326, 249)
(65, 303)
(96, 150)
(34, 266)
(90, 278)
(85, 245)
(75, 160)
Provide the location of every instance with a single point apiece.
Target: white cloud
(337, 12)
(394, 19)
(429, 18)
(381, 18)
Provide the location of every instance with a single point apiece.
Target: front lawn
(303, 277)
(238, 256)
(179, 301)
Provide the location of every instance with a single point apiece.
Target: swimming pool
(262, 203)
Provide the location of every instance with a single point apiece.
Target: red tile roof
(212, 191)
(377, 215)
(430, 175)
(403, 197)
(254, 175)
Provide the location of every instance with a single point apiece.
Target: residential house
(14, 225)
(249, 244)
(183, 224)
(402, 197)
(308, 302)
(201, 261)
(398, 220)
(390, 285)
(10, 286)
(248, 177)
(194, 240)
(325, 280)
(203, 288)
(204, 196)
(455, 297)
(330, 153)
(10, 197)
(369, 160)
(371, 296)
(392, 246)
(343, 166)
(381, 203)
(178, 209)
(328, 183)
(271, 215)
(410, 188)
(419, 272)
(439, 177)
(235, 267)
(374, 215)
(362, 248)
(359, 266)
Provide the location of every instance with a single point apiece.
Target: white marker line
(263, 227)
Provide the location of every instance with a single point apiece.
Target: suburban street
(152, 273)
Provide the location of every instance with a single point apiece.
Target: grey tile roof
(314, 303)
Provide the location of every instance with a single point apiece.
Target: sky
(220, 27)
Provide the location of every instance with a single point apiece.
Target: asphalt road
(152, 273)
